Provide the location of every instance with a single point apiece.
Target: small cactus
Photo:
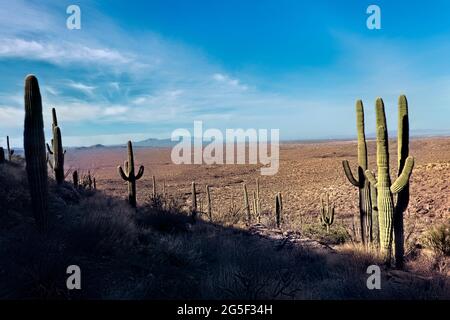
(56, 150)
(326, 211)
(95, 183)
(130, 176)
(35, 156)
(89, 180)
(154, 187)
(10, 152)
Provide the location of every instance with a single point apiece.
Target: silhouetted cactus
(386, 190)
(95, 183)
(2, 155)
(130, 176)
(326, 212)
(9, 150)
(35, 156)
(57, 150)
(363, 185)
(154, 187)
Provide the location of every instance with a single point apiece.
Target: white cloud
(219, 77)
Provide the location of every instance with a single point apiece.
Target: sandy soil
(306, 171)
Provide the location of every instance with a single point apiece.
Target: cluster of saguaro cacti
(56, 150)
(278, 209)
(365, 203)
(128, 174)
(390, 215)
(326, 211)
(9, 151)
(35, 156)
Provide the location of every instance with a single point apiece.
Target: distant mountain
(155, 143)
(96, 146)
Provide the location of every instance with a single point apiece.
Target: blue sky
(142, 69)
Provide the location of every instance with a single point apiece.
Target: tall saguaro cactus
(57, 150)
(403, 195)
(365, 205)
(130, 176)
(386, 190)
(34, 146)
(10, 151)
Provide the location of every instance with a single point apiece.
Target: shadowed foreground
(159, 254)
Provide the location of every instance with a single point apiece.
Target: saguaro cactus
(326, 212)
(35, 156)
(246, 203)
(209, 206)
(75, 179)
(365, 205)
(10, 151)
(57, 150)
(2, 155)
(154, 187)
(130, 176)
(194, 201)
(386, 190)
(403, 195)
(278, 208)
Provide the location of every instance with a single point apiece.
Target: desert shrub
(104, 226)
(338, 233)
(162, 220)
(438, 239)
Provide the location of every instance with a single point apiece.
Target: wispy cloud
(61, 53)
(86, 89)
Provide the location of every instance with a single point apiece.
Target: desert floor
(306, 171)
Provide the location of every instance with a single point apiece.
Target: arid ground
(306, 171)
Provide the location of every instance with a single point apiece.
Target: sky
(141, 69)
